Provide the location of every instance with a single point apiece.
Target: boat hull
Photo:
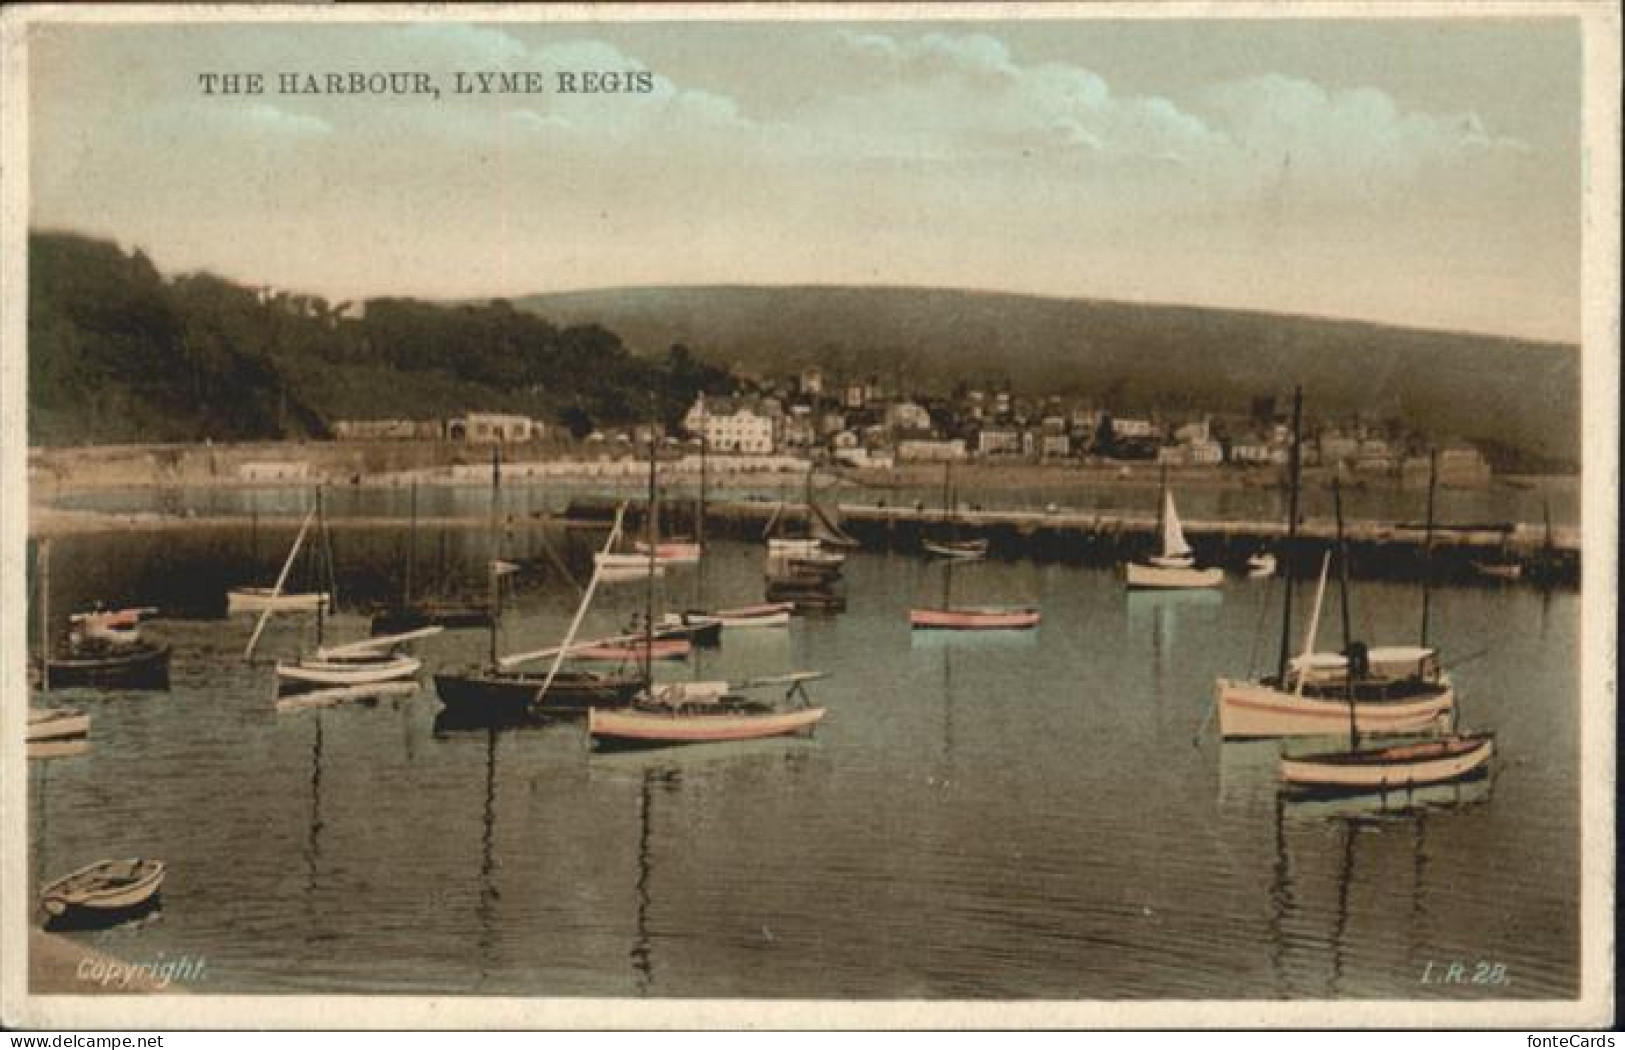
(57, 724)
(1171, 578)
(259, 599)
(636, 729)
(144, 667)
(102, 894)
(1253, 710)
(1387, 769)
(483, 694)
(321, 674)
(672, 553)
(661, 649)
(970, 550)
(973, 619)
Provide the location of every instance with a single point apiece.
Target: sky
(1414, 172)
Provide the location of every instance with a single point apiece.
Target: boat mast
(411, 549)
(493, 591)
(1342, 560)
(699, 518)
(1291, 532)
(649, 587)
(323, 560)
(1427, 544)
(45, 615)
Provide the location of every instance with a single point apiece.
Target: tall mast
(324, 578)
(1291, 533)
(649, 587)
(45, 615)
(494, 594)
(1342, 559)
(1427, 544)
(411, 549)
(699, 519)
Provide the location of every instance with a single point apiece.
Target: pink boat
(659, 649)
(990, 618)
(672, 552)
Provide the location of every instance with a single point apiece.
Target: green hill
(118, 352)
(1514, 394)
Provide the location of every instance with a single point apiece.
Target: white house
(732, 426)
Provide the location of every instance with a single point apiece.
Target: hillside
(1515, 394)
(118, 352)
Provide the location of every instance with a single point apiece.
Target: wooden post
(1427, 544)
(45, 615)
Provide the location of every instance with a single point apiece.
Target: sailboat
(501, 691)
(373, 661)
(273, 598)
(97, 663)
(812, 549)
(951, 617)
(953, 546)
(1175, 567)
(411, 612)
(1321, 694)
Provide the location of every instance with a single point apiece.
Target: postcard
(940, 515)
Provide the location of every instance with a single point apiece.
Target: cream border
(1601, 23)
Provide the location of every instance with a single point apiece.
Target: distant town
(866, 424)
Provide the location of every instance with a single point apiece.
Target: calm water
(1048, 815)
(1501, 502)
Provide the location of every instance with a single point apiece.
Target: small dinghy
(1261, 564)
(963, 550)
(59, 723)
(971, 618)
(1397, 768)
(102, 894)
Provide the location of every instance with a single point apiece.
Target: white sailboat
(1174, 568)
(274, 599)
(1402, 690)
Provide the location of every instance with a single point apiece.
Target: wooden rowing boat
(973, 618)
(103, 893)
(618, 651)
(1402, 766)
(57, 723)
(703, 712)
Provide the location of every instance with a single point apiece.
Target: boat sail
(1174, 567)
(1317, 696)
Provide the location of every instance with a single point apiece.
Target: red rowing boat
(990, 618)
(659, 649)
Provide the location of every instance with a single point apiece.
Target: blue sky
(1413, 172)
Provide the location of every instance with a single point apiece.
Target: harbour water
(1041, 815)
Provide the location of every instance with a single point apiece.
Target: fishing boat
(1404, 691)
(411, 612)
(94, 663)
(706, 712)
(1261, 564)
(102, 894)
(1174, 568)
(113, 626)
(56, 723)
(953, 545)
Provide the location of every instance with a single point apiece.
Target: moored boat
(361, 668)
(1174, 568)
(496, 694)
(965, 550)
(92, 665)
(103, 893)
(624, 650)
(975, 618)
(670, 552)
(1396, 767)
(1261, 564)
(704, 712)
(262, 599)
(56, 723)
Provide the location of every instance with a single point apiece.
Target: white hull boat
(61, 723)
(1261, 565)
(1250, 709)
(261, 599)
(1172, 578)
(366, 669)
(1399, 767)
